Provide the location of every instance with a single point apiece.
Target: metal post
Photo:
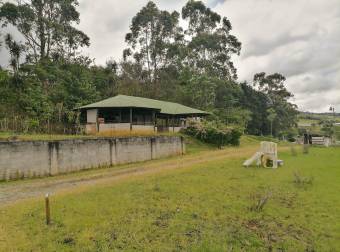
(47, 209)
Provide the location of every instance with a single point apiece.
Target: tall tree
(272, 85)
(271, 117)
(257, 103)
(46, 25)
(105, 79)
(151, 38)
(210, 44)
(15, 50)
(278, 101)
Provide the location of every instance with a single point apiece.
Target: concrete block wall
(114, 126)
(43, 158)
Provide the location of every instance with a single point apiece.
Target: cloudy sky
(298, 38)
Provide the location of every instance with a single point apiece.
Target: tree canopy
(47, 27)
(48, 76)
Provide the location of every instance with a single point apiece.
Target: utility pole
(332, 109)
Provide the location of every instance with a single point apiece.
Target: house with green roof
(124, 112)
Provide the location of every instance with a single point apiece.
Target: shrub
(33, 125)
(301, 180)
(214, 132)
(259, 201)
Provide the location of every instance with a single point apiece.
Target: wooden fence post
(47, 209)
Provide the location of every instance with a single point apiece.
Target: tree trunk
(147, 54)
(41, 30)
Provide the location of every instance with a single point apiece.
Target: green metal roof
(124, 101)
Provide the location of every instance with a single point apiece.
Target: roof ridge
(166, 107)
(147, 99)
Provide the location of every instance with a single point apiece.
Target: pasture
(207, 205)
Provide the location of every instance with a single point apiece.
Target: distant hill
(316, 117)
(311, 121)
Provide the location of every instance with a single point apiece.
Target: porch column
(92, 118)
(154, 120)
(167, 123)
(130, 119)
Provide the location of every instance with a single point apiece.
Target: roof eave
(95, 107)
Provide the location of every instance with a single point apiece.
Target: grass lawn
(28, 137)
(210, 207)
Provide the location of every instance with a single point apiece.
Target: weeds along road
(11, 192)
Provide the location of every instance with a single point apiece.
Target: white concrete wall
(133, 149)
(24, 159)
(82, 154)
(113, 126)
(174, 129)
(143, 127)
(42, 158)
(164, 145)
(91, 128)
(124, 127)
(92, 115)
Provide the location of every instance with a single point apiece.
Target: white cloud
(300, 39)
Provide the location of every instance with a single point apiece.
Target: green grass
(308, 121)
(315, 119)
(319, 116)
(29, 137)
(337, 132)
(199, 208)
(194, 145)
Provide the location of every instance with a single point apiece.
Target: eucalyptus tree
(278, 103)
(47, 27)
(210, 43)
(15, 50)
(271, 117)
(272, 85)
(152, 38)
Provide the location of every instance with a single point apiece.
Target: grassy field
(4, 136)
(319, 116)
(219, 206)
(312, 122)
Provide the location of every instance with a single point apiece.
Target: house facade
(130, 113)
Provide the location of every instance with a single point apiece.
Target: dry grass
(259, 201)
(9, 136)
(124, 133)
(302, 181)
(127, 133)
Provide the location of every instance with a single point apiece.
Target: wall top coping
(85, 139)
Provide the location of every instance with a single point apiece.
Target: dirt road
(11, 192)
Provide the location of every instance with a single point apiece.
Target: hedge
(214, 133)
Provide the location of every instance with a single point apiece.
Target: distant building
(124, 112)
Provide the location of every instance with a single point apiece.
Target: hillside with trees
(48, 75)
